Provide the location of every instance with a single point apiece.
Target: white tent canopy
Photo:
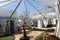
(57, 9)
(4, 2)
(48, 12)
(6, 13)
(48, 15)
(47, 2)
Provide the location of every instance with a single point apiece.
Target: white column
(39, 23)
(57, 31)
(54, 21)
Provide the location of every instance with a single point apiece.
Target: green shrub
(6, 38)
(41, 37)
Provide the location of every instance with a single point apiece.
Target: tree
(26, 21)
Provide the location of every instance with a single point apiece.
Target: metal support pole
(15, 9)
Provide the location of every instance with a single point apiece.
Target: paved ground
(33, 33)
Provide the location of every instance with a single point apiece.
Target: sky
(21, 8)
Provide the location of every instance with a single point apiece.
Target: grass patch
(6, 38)
(41, 36)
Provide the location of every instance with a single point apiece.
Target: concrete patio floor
(32, 33)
